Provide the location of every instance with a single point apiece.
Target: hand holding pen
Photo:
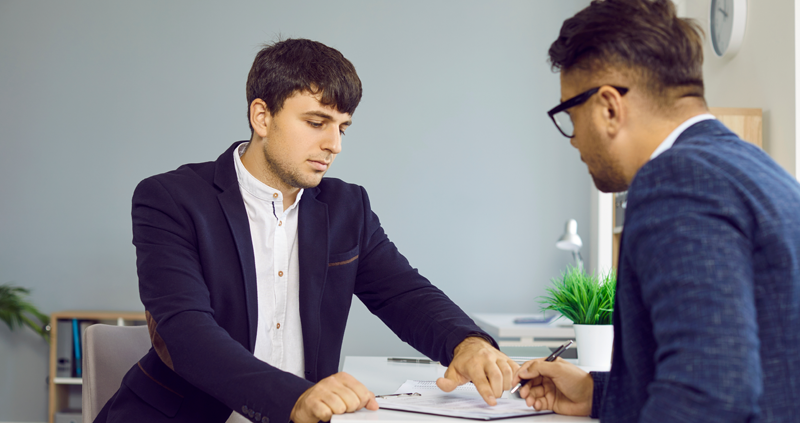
(556, 385)
(560, 350)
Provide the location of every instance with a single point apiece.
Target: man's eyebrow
(325, 116)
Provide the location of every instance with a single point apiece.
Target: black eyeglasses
(563, 120)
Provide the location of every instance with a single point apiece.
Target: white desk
(501, 326)
(383, 377)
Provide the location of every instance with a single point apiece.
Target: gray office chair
(108, 353)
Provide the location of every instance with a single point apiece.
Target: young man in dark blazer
(248, 265)
(708, 295)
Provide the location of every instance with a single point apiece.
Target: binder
(64, 349)
(76, 342)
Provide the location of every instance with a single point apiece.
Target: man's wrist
(474, 337)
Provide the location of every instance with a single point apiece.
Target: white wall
(452, 141)
(761, 75)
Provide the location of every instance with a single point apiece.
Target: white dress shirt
(279, 336)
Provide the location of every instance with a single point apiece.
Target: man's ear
(613, 110)
(259, 117)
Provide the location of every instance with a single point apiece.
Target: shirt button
(280, 273)
(275, 195)
(280, 223)
(278, 326)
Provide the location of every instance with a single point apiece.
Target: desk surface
(501, 325)
(383, 377)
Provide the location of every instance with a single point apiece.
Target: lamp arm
(578, 259)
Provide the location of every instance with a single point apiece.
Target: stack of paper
(463, 402)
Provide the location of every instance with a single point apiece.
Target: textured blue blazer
(707, 313)
(197, 281)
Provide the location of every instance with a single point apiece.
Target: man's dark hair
(646, 36)
(296, 65)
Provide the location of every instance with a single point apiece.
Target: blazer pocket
(155, 393)
(342, 259)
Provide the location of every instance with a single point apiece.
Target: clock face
(721, 25)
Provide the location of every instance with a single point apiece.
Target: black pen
(406, 394)
(560, 350)
(411, 360)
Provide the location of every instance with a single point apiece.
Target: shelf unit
(747, 123)
(744, 122)
(60, 388)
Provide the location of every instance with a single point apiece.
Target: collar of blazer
(705, 129)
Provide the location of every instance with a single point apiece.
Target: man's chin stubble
(609, 185)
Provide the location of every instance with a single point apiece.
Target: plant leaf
(582, 298)
(16, 312)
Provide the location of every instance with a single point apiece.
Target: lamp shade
(570, 241)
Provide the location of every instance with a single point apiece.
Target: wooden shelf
(67, 381)
(60, 388)
(744, 122)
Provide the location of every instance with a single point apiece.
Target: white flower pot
(594, 345)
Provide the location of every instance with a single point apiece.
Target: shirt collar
(667, 143)
(253, 186)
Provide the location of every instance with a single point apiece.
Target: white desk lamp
(570, 241)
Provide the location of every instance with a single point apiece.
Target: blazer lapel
(230, 199)
(312, 233)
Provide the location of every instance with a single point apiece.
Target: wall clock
(728, 19)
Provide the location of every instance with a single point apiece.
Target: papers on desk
(464, 402)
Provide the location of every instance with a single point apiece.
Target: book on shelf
(64, 349)
(69, 347)
(76, 344)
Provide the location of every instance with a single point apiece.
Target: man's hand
(556, 385)
(336, 394)
(477, 361)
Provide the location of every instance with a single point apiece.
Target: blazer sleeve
(690, 246)
(599, 382)
(179, 309)
(418, 312)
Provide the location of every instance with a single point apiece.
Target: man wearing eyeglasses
(708, 295)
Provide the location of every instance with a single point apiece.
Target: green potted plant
(16, 311)
(587, 300)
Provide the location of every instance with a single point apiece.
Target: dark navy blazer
(707, 313)
(197, 281)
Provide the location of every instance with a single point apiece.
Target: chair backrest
(108, 353)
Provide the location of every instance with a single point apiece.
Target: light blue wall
(470, 178)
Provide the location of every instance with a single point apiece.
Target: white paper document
(463, 402)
